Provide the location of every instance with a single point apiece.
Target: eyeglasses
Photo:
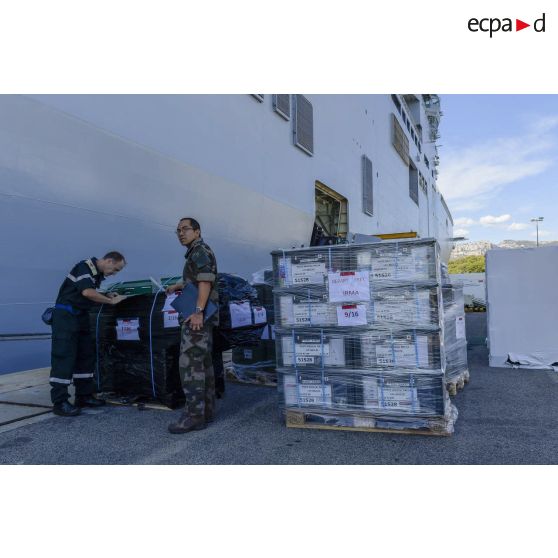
(184, 230)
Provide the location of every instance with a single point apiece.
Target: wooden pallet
(458, 383)
(297, 419)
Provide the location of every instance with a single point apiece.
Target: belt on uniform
(68, 308)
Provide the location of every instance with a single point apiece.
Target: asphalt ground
(506, 416)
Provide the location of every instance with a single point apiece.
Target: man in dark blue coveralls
(73, 352)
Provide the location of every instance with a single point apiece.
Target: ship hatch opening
(331, 222)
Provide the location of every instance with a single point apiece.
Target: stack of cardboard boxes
(359, 337)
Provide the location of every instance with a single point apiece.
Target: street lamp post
(537, 220)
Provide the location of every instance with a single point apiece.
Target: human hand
(195, 321)
(172, 289)
(116, 299)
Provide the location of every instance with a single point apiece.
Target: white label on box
(315, 314)
(170, 319)
(311, 349)
(127, 330)
(170, 298)
(390, 395)
(460, 327)
(397, 397)
(378, 351)
(305, 359)
(349, 286)
(308, 273)
(248, 353)
(383, 268)
(351, 315)
(241, 314)
(410, 264)
(314, 394)
(260, 315)
(404, 354)
(410, 307)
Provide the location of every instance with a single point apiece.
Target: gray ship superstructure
(84, 174)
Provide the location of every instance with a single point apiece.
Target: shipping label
(403, 352)
(351, 315)
(308, 270)
(311, 346)
(241, 314)
(260, 315)
(315, 394)
(313, 314)
(127, 329)
(403, 307)
(170, 319)
(349, 286)
(170, 298)
(405, 264)
(386, 394)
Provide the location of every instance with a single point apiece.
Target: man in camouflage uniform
(196, 368)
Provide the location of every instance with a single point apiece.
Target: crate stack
(137, 345)
(360, 337)
(455, 342)
(256, 364)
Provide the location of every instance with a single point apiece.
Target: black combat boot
(65, 409)
(88, 401)
(186, 423)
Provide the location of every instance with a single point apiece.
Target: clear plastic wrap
(360, 337)
(255, 363)
(454, 333)
(386, 307)
(398, 400)
(242, 315)
(360, 348)
(263, 277)
(411, 262)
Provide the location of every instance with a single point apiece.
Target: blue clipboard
(185, 304)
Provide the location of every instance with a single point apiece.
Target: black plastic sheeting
(148, 367)
(233, 288)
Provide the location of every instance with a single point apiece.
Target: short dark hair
(194, 224)
(116, 256)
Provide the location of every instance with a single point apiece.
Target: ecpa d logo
(493, 25)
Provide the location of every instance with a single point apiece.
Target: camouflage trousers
(196, 371)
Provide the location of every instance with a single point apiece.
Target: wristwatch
(199, 310)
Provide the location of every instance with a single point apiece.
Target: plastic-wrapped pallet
(457, 370)
(138, 346)
(360, 337)
(256, 364)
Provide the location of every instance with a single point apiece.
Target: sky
(499, 165)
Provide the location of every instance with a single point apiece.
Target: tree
(467, 264)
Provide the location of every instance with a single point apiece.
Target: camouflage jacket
(201, 266)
